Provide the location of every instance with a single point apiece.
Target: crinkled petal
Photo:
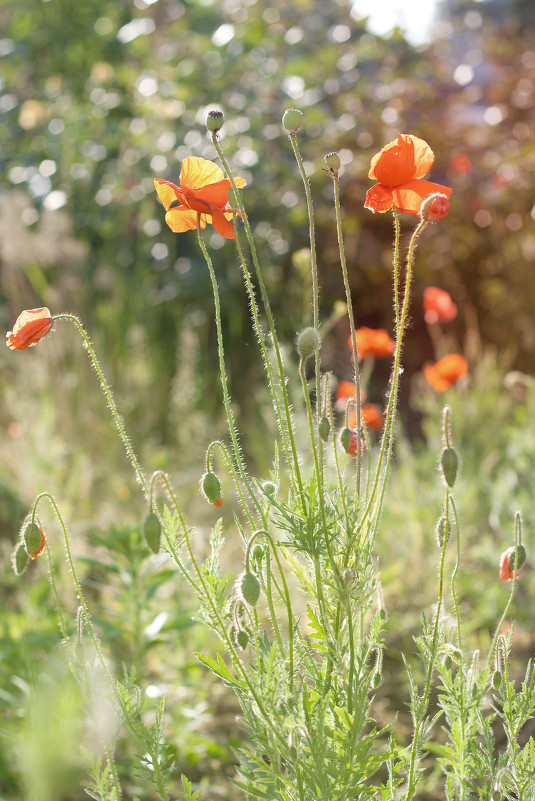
(214, 194)
(197, 172)
(401, 160)
(183, 219)
(423, 157)
(410, 196)
(378, 198)
(167, 192)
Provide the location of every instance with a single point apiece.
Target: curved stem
(518, 540)
(109, 397)
(223, 372)
(224, 451)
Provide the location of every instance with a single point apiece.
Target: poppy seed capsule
(19, 559)
(324, 428)
(211, 488)
(34, 539)
(214, 121)
(249, 588)
(152, 530)
(449, 463)
(332, 160)
(292, 119)
(308, 342)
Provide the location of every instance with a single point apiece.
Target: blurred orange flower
(507, 560)
(371, 417)
(460, 163)
(373, 342)
(446, 371)
(438, 306)
(31, 325)
(203, 190)
(399, 167)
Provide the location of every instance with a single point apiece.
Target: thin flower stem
(109, 397)
(518, 541)
(223, 372)
(385, 452)
(224, 451)
(313, 268)
(343, 264)
(267, 307)
(395, 265)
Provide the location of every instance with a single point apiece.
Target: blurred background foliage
(101, 96)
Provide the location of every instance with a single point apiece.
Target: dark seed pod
(449, 463)
(152, 531)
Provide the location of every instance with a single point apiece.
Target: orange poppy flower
(203, 190)
(399, 167)
(446, 371)
(373, 342)
(438, 306)
(507, 560)
(29, 328)
(371, 417)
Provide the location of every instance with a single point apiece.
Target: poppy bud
(437, 208)
(332, 160)
(214, 121)
(258, 553)
(292, 119)
(507, 562)
(448, 662)
(19, 559)
(242, 639)
(152, 531)
(308, 342)
(497, 679)
(34, 539)
(376, 681)
(269, 487)
(324, 428)
(496, 795)
(349, 442)
(249, 588)
(449, 463)
(211, 488)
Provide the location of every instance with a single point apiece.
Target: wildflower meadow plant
(302, 627)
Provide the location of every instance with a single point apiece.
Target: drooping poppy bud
(349, 441)
(507, 562)
(152, 531)
(19, 559)
(449, 463)
(324, 428)
(248, 588)
(31, 326)
(211, 487)
(34, 540)
(242, 639)
(437, 209)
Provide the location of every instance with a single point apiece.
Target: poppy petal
(221, 224)
(378, 198)
(197, 172)
(183, 219)
(410, 196)
(167, 192)
(214, 194)
(395, 163)
(423, 157)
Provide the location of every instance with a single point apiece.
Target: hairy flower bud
(442, 531)
(152, 531)
(324, 428)
(34, 539)
(435, 207)
(242, 639)
(248, 588)
(449, 463)
(211, 487)
(19, 559)
(308, 342)
(214, 121)
(292, 119)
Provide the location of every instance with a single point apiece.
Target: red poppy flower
(460, 163)
(203, 190)
(399, 167)
(438, 306)
(446, 371)
(373, 342)
(371, 417)
(29, 328)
